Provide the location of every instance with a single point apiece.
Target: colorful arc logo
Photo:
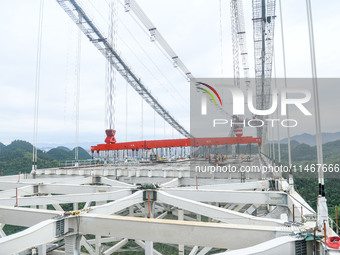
(211, 92)
(208, 92)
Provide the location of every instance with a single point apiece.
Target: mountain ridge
(310, 139)
(17, 156)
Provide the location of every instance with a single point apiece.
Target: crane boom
(81, 19)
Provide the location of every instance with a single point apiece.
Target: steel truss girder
(179, 232)
(214, 212)
(80, 18)
(25, 217)
(73, 198)
(164, 231)
(207, 184)
(55, 188)
(236, 197)
(11, 181)
(71, 189)
(119, 204)
(41, 233)
(21, 191)
(279, 246)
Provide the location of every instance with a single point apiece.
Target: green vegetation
(303, 154)
(17, 156)
(62, 153)
(59, 153)
(12, 229)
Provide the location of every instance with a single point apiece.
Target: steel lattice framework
(239, 41)
(263, 25)
(78, 15)
(239, 44)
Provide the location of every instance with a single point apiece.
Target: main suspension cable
(37, 86)
(77, 99)
(126, 110)
(221, 37)
(142, 120)
(316, 98)
(277, 113)
(285, 80)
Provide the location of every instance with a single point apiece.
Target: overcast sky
(191, 27)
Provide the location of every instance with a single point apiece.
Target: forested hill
(17, 156)
(310, 139)
(303, 152)
(62, 153)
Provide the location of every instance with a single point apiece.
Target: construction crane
(239, 44)
(263, 33)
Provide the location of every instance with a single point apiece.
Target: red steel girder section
(195, 142)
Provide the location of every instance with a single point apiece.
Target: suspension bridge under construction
(146, 196)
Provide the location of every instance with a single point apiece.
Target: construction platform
(114, 205)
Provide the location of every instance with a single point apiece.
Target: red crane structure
(170, 143)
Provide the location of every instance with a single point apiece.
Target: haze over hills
(85, 145)
(304, 152)
(310, 139)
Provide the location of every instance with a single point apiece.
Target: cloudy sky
(191, 27)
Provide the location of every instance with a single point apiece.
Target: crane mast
(263, 33)
(239, 42)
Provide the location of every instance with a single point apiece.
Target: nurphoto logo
(238, 100)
